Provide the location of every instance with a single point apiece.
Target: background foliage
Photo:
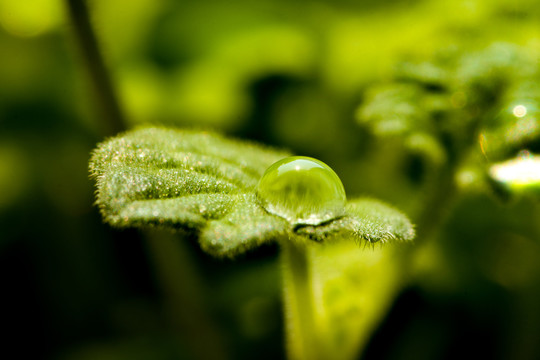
(298, 75)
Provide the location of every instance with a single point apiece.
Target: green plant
(455, 117)
(217, 187)
(460, 114)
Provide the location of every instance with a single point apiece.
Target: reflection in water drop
(302, 190)
(524, 154)
(521, 172)
(519, 111)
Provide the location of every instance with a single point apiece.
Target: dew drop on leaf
(302, 190)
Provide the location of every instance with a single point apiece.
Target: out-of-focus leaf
(393, 109)
(355, 290)
(444, 109)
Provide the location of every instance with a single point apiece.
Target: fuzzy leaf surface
(366, 220)
(203, 182)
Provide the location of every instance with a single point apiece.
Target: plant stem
(113, 121)
(302, 340)
(438, 204)
(176, 273)
(443, 192)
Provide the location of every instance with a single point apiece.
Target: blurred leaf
(355, 290)
(448, 109)
(394, 109)
(30, 18)
(517, 125)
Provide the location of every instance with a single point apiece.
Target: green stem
(303, 342)
(113, 117)
(443, 192)
(175, 271)
(438, 204)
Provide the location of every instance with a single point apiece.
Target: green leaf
(203, 182)
(393, 109)
(366, 220)
(449, 100)
(355, 290)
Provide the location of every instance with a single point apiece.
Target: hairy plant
(202, 182)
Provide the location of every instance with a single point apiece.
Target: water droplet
(519, 111)
(302, 190)
(521, 172)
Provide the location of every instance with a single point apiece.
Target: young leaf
(203, 182)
